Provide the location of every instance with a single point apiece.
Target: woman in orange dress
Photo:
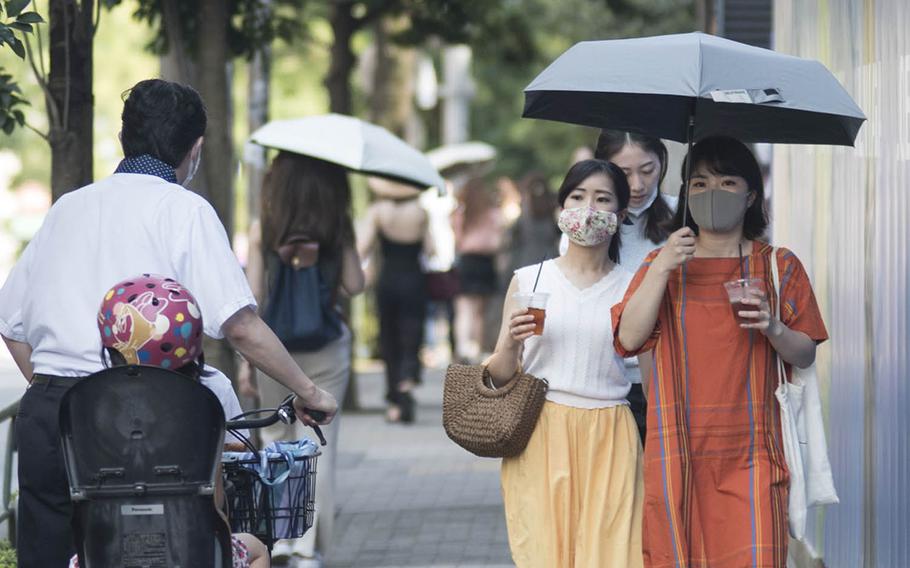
(716, 482)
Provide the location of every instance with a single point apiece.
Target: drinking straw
(539, 269)
(742, 272)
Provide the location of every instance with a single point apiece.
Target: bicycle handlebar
(284, 413)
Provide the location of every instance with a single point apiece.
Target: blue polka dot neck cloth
(148, 165)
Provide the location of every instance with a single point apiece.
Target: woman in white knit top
(574, 496)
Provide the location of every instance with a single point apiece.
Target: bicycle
(143, 489)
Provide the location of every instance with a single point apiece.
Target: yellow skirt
(573, 498)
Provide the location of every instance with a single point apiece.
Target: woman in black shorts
(478, 227)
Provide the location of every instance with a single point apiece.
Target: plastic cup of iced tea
(536, 304)
(738, 290)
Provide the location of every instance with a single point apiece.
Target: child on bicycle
(153, 320)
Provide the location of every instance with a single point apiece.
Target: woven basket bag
(486, 422)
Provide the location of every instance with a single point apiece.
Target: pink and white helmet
(151, 320)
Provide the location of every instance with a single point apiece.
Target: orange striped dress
(715, 475)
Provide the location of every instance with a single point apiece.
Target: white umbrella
(353, 144)
(463, 153)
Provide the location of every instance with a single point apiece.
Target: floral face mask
(587, 226)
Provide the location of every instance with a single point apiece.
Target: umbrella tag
(747, 96)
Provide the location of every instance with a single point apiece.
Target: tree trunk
(176, 64)
(379, 98)
(338, 83)
(338, 79)
(218, 151)
(258, 115)
(459, 90)
(208, 73)
(71, 102)
(391, 97)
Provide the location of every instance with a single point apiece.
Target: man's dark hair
(162, 119)
(730, 157)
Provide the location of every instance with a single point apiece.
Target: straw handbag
(491, 423)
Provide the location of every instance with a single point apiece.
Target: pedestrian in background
(716, 481)
(399, 224)
(573, 497)
(479, 230)
(534, 235)
(308, 200)
(644, 160)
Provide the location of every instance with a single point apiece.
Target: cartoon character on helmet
(151, 320)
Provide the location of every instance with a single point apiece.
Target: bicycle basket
(271, 495)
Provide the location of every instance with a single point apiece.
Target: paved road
(410, 497)
(407, 495)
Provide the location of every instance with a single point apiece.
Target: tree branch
(41, 51)
(97, 21)
(41, 78)
(38, 132)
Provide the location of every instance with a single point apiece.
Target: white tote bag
(803, 432)
(790, 397)
(819, 478)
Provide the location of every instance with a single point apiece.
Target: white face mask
(644, 207)
(194, 167)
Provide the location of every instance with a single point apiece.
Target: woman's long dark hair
(302, 195)
(587, 168)
(610, 143)
(728, 156)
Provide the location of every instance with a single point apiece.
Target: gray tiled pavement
(408, 496)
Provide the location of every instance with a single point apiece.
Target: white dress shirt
(96, 236)
(221, 386)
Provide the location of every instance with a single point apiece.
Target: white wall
(844, 212)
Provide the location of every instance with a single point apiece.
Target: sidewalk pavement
(407, 495)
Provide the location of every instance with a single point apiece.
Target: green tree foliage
(252, 23)
(501, 77)
(14, 20)
(447, 21)
(7, 555)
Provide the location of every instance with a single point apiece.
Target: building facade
(846, 214)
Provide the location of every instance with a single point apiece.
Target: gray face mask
(717, 210)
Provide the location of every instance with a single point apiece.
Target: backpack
(300, 307)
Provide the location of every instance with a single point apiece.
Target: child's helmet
(151, 320)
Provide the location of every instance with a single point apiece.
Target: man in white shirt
(139, 220)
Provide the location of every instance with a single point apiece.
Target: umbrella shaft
(690, 134)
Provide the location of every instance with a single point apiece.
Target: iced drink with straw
(739, 290)
(536, 304)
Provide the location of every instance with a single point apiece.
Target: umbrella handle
(690, 135)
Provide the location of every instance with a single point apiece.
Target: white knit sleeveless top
(575, 353)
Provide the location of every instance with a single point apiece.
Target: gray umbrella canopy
(656, 86)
